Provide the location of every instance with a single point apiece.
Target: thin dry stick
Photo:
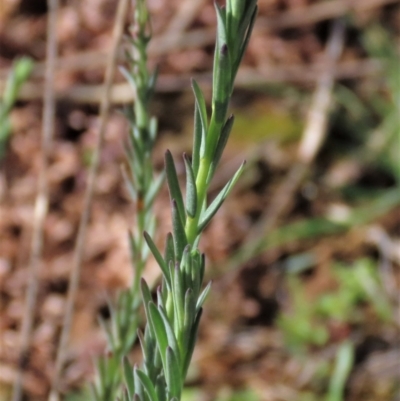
(42, 201)
(187, 12)
(158, 46)
(196, 38)
(247, 78)
(81, 237)
(318, 12)
(313, 137)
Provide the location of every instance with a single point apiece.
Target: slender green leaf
(129, 185)
(190, 315)
(173, 374)
(128, 375)
(157, 255)
(173, 185)
(192, 342)
(159, 331)
(160, 388)
(223, 85)
(169, 252)
(216, 204)
(186, 267)
(147, 384)
(191, 191)
(170, 334)
(178, 294)
(223, 139)
(203, 296)
(245, 43)
(180, 240)
(139, 388)
(198, 142)
(201, 106)
(129, 77)
(154, 190)
(221, 25)
(246, 17)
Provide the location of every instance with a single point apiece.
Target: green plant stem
(122, 330)
(203, 179)
(172, 321)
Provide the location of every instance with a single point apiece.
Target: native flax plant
(172, 321)
(142, 188)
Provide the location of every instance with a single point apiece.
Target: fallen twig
(318, 12)
(247, 78)
(81, 237)
(175, 41)
(42, 201)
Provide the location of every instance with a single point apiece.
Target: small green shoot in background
(358, 287)
(307, 323)
(20, 72)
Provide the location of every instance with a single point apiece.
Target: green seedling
(307, 324)
(20, 72)
(142, 186)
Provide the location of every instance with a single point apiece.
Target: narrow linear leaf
(198, 272)
(160, 388)
(245, 43)
(169, 252)
(197, 141)
(223, 139)
(143, 344)
(139, 388)
(201, 107)
(170, 334)
(128, 374)
(147, 384)
(192, 342)
(152, 82)
(146, 295)
(154, 190)
(178, 294)
(173, 374)
(173, 185)
(159, 330)
(190, 315)
(162, 297)
(223, 85)
(246, 17)
(221, 25)
(216, 204)
(191, 191)
(128, 76)
(203, 296)
(186, 267)
(180, 240)
(157, 255)
(133, 245)
(129, 185)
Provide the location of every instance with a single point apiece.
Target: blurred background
(305, 253)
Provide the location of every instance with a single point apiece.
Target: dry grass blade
(81, 237)
(319, 11)
(42, 201)
(175, 41)
(121, 93)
